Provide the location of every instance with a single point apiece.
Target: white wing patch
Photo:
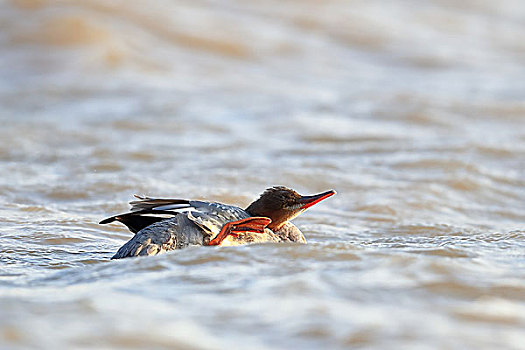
(154, 215)
(173, 207)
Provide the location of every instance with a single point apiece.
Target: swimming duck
(162, 225)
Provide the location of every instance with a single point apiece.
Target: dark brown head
(282, 204)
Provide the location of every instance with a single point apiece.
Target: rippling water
(413, 111)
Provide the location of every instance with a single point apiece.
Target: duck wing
(146, 211)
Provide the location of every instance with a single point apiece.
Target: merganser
(162, 225)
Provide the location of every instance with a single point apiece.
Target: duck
(161, 225)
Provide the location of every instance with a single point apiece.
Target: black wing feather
(147, 211)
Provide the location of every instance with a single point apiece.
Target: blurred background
(414, 111)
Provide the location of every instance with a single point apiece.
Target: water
(414, 112)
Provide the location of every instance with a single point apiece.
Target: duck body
(161, 225)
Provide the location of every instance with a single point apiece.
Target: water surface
(414, 112)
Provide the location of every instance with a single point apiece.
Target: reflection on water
(412, 111)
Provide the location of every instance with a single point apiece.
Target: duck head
(282, 204)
